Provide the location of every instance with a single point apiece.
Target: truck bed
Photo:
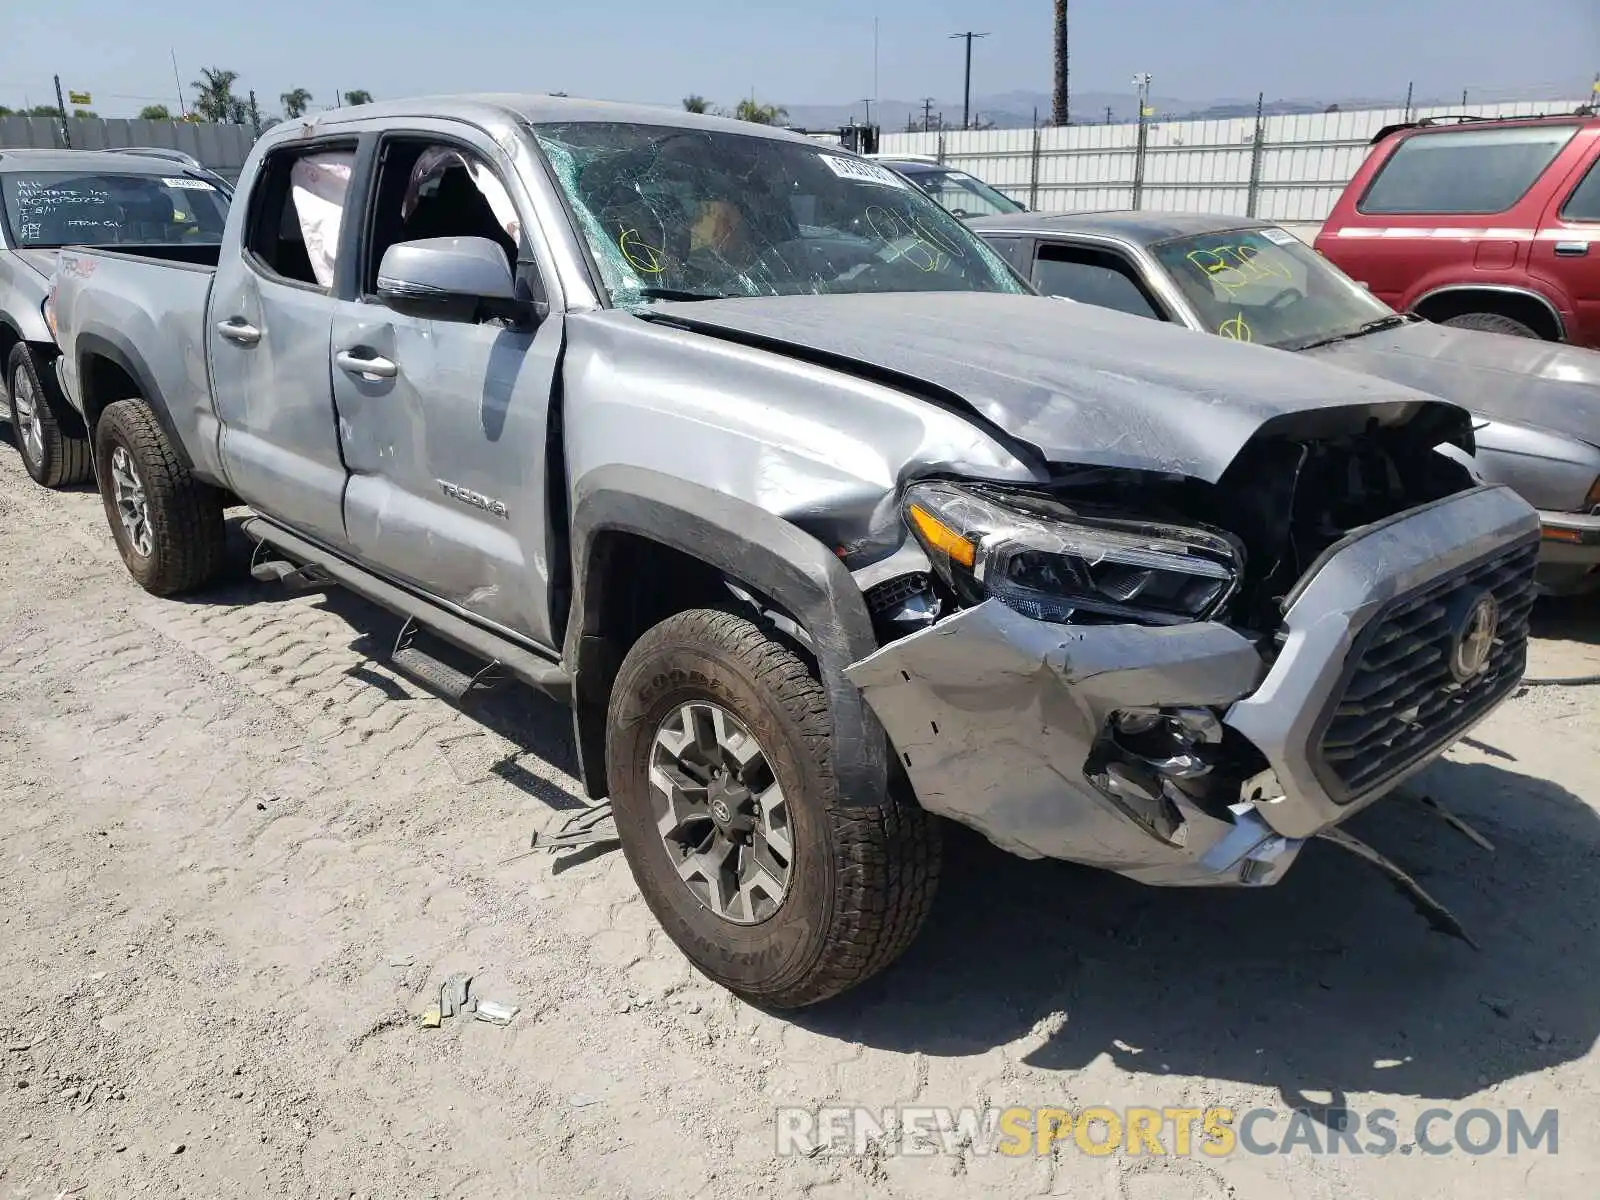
(143, 309)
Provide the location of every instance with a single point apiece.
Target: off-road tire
(862, 878)
(1492, 322)
(185, 515)
(63, 458)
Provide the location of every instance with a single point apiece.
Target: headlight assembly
(1053, 564)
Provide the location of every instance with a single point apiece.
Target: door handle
(381, 368)
(237, 329)
(1571, 249)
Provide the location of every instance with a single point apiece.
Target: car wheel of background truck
(52, 456)
(1492, 323)
(718, 755)
(168, 525)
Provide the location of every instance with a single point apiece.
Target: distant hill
(1015, 110)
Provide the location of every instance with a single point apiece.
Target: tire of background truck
(1492, 323)
(52, 456)
(710, 705)
(167, 524)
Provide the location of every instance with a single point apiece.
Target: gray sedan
(1537, 403)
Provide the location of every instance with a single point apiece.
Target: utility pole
(183, 108)
(927, 113)
(1409, 87)
(868, 103)
(966, 95)
(255, 114)
(61, 107)
(1108, 114)
(1062, 99)
(1141, 83)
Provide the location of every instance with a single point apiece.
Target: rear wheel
(167, 524)
(41, 428)
(1492, 322)
(719, 759)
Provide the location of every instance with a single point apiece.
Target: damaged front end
(1184, 681)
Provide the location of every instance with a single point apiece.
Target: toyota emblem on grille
(1473, 642)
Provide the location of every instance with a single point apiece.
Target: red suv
(1487, 224)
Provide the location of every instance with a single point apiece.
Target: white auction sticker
(862, 171)
(189, 185)
(1280, 237)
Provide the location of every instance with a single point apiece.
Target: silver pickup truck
(819, 518)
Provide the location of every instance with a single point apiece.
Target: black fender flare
(114, 348)
(752, 547)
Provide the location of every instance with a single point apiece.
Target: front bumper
(1569, 553)
(996, 716)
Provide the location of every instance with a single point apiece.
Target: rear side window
(1584, 203)
(296, 211)
(1470, 171)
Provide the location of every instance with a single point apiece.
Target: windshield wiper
(659, 293)
(1366, 327)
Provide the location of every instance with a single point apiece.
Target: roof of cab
(496, 110)
(1140, 227)
(77, 160)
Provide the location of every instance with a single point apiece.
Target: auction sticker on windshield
(1278, 237)
(191, 185)
(862, 172)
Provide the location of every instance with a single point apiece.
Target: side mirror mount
(452, 277)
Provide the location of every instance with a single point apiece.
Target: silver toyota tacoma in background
(818, 517)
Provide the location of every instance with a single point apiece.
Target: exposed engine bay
(1147, 635)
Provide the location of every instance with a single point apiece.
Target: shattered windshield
(1266, 285)
(677, 213)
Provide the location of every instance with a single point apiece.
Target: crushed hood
(1075, 383)
(1522, 381)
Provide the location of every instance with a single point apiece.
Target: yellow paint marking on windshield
(1235, 267)
(1236, 329)
(641, 256)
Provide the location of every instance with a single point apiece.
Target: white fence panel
(1304, 161)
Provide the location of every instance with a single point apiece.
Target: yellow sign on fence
(79, 98)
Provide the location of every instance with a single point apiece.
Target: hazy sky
(817, 52)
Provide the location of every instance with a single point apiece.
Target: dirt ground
(239, 856)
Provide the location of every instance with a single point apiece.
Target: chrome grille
(1399, 701)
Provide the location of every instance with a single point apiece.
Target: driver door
(444, 423)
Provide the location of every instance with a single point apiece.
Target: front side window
(1266, 285)
(1464, 171)
(672, 213)
(1096, 277)
(433, 190)
(963, 195)
(45, 210)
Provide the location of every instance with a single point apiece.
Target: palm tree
(696, 104)
(1061, 102)
(155, 112)
(294, 102)
(359, 96)
(761, 114)
(214, 99)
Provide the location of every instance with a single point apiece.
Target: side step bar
(524, 664)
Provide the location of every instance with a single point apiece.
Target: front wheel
(51, 453)
(719, 759)
(167, 524)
